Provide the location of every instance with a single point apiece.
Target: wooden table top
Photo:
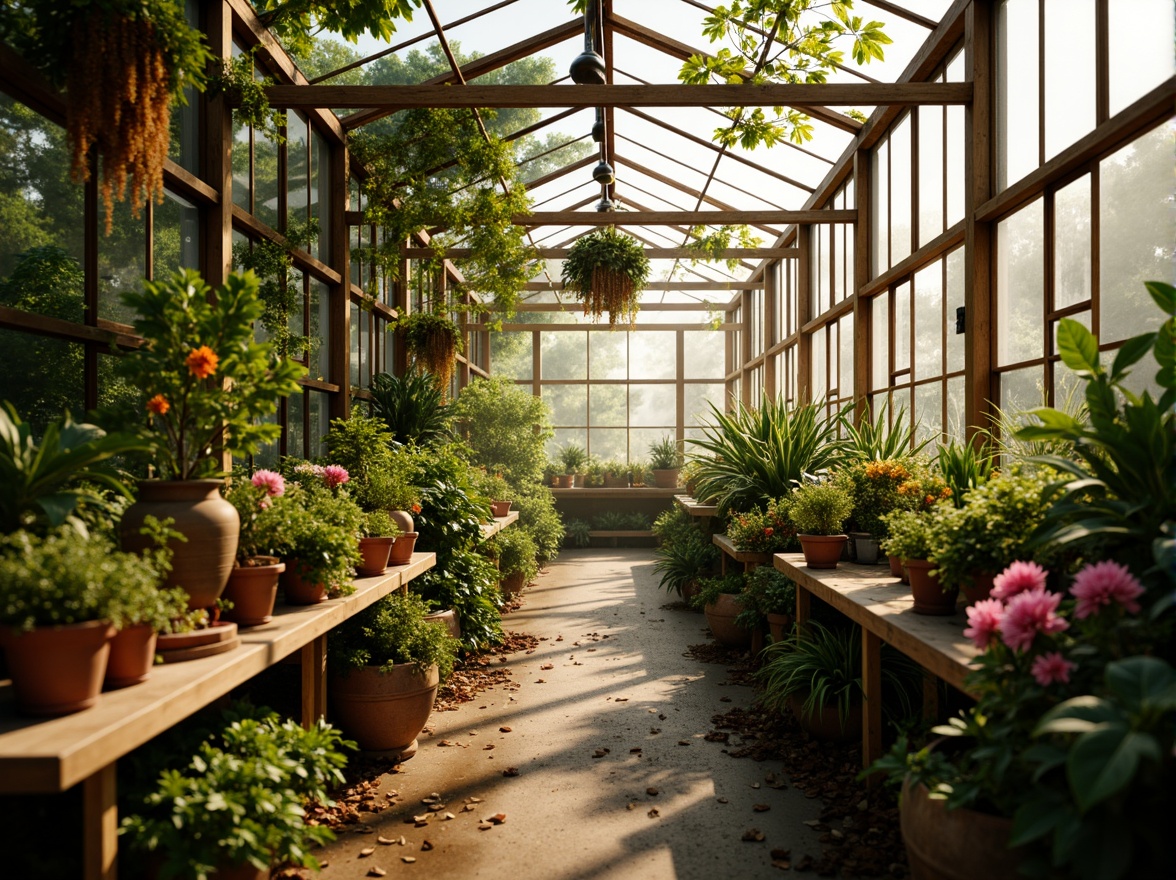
(48, 755)
(696, 508)
(728, 546)
(871, 597)
(498, 523)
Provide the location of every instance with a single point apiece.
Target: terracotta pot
(449, 618)
(979, 587)
(721, 618)
(132, 654)
(960, 844)
(822, 551)
(896, 569)
(201, 565)
(689, 591)
(57, 670)
(299, 591)
(500, 508)
(253, 589)
(562, 481)
(930, 597)
(384, 712)
(666, 478)
(866, 547)
(511, 584)
(616, 482)
(579, 481)
(240, 872)
(825, 722)
(402, 519)
(778, 625)
(402, 549)
(374, 553)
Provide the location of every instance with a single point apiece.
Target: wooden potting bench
(53, 755)
(884, 608)
(498, 523)
(748, 560)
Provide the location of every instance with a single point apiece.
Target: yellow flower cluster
(889, 469)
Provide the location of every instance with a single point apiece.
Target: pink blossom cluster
(1021, 608)
(273, 483)
(335, 475)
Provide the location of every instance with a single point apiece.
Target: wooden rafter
(654, 253)
(388, 99)
(679, 286)
(680, 218)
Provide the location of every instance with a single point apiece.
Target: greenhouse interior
(392, 385)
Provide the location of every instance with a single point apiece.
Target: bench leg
(802, 606)
(100, 824)
(872, 708)
(314, 681)
(930, 697)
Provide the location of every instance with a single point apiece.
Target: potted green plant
(412, 407)
(593, 473)
(683, 562)
(236, 809)
(572, 456)
(616, 473)
(911, 538)
(665, 458)
(607, 270)
(59, 609)
(768, 596)
(43, 484)
(319, 543)
(495, 487)
(992, 527)
(817, 673)
(377, 535)
(506, 427)
(876, 487)
(763, 531)
(209, 386)
(386, 664)
(718, 597)
(819, 510)
(640, 473)
(264, 510)
(578, 532)
(434, 341)
(516, 560)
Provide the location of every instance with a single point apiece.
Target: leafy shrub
(539, 519)
(765, 591)
(389, 632)
(506, 427)
(709, 589)
(820, 508)
(517, 554)
(763, 531)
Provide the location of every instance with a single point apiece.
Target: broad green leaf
(1078, 347)
(1103, 763)
(1164, 294)
(1130, 352)
(1036, 818)
(1077, 715)
(1140, 680)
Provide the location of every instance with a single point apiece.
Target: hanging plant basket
(607, 270)
(433, 341)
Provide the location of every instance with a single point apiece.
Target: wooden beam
(683, 218)
(606, 327)
(477, 67)
(683, 52)
(720, 286)
(573, 306)
(653, 253)
(393, 98)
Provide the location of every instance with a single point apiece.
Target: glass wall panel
(956, 180)
(880, 341)
(320, 195)
(564, 354)
(820, 371)
(955, 300)
(608, 355)
(1137, 231)
(901, 332)
(266, 183)
(1072, 250)
(608, 443)
(175, 237)
(296, 444)
(704, 354)
(569, 404)
(928, 411)
(900, 190)
(320, 422)
(510, 354)
(1020, 280)
(1017, 103)
(845, 380)
(698, 400)
(49, 381)
(956, 426)
(1140, 57)
(652, 404)
(880, 220)
(653, 355)
(320, 322)
(931, 159)
(297, 169)
(122, 263)
(929, 322)
(1069, 72)
(608, 405)
(1022, 390)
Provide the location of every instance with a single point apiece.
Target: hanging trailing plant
(433, 341)
(607, 270)
(436, 171)
(123, 63)
(247, 97)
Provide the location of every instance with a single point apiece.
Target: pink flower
(1050, 668)
(1028, 614)
(984, 622)
(273, 483)
(1019, 577)
(1100, 584)
(335, 475)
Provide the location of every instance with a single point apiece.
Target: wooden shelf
(629, 493)
(48, 755)
(695, 508)
(746, 557)
(620, 533)
(499, 523)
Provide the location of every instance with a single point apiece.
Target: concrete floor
(567, 814)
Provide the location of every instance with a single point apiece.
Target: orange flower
(158, 405)
(202, 362)
(416, 508)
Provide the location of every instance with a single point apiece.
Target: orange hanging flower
(202, 362)
(158, 405)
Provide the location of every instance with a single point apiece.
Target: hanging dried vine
(122, 62)
(607, 271)
(433, 341)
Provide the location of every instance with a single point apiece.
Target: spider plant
(684, 561)
(758, 454)
(412, 407)
(824, 667)
(879, 441)
(964, 467)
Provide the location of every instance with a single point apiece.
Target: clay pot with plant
(665, 459)
(819, 511)
(616, 473)
(516, 560)
(265, 512)
(319, 543)
(719, 599)
(911, 538)
(769, 596)
(386, 664)
(377, 537)
(573, 457)
(61, 605)
(209, 386)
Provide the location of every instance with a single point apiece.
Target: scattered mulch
(483, 671)
(858, 827)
